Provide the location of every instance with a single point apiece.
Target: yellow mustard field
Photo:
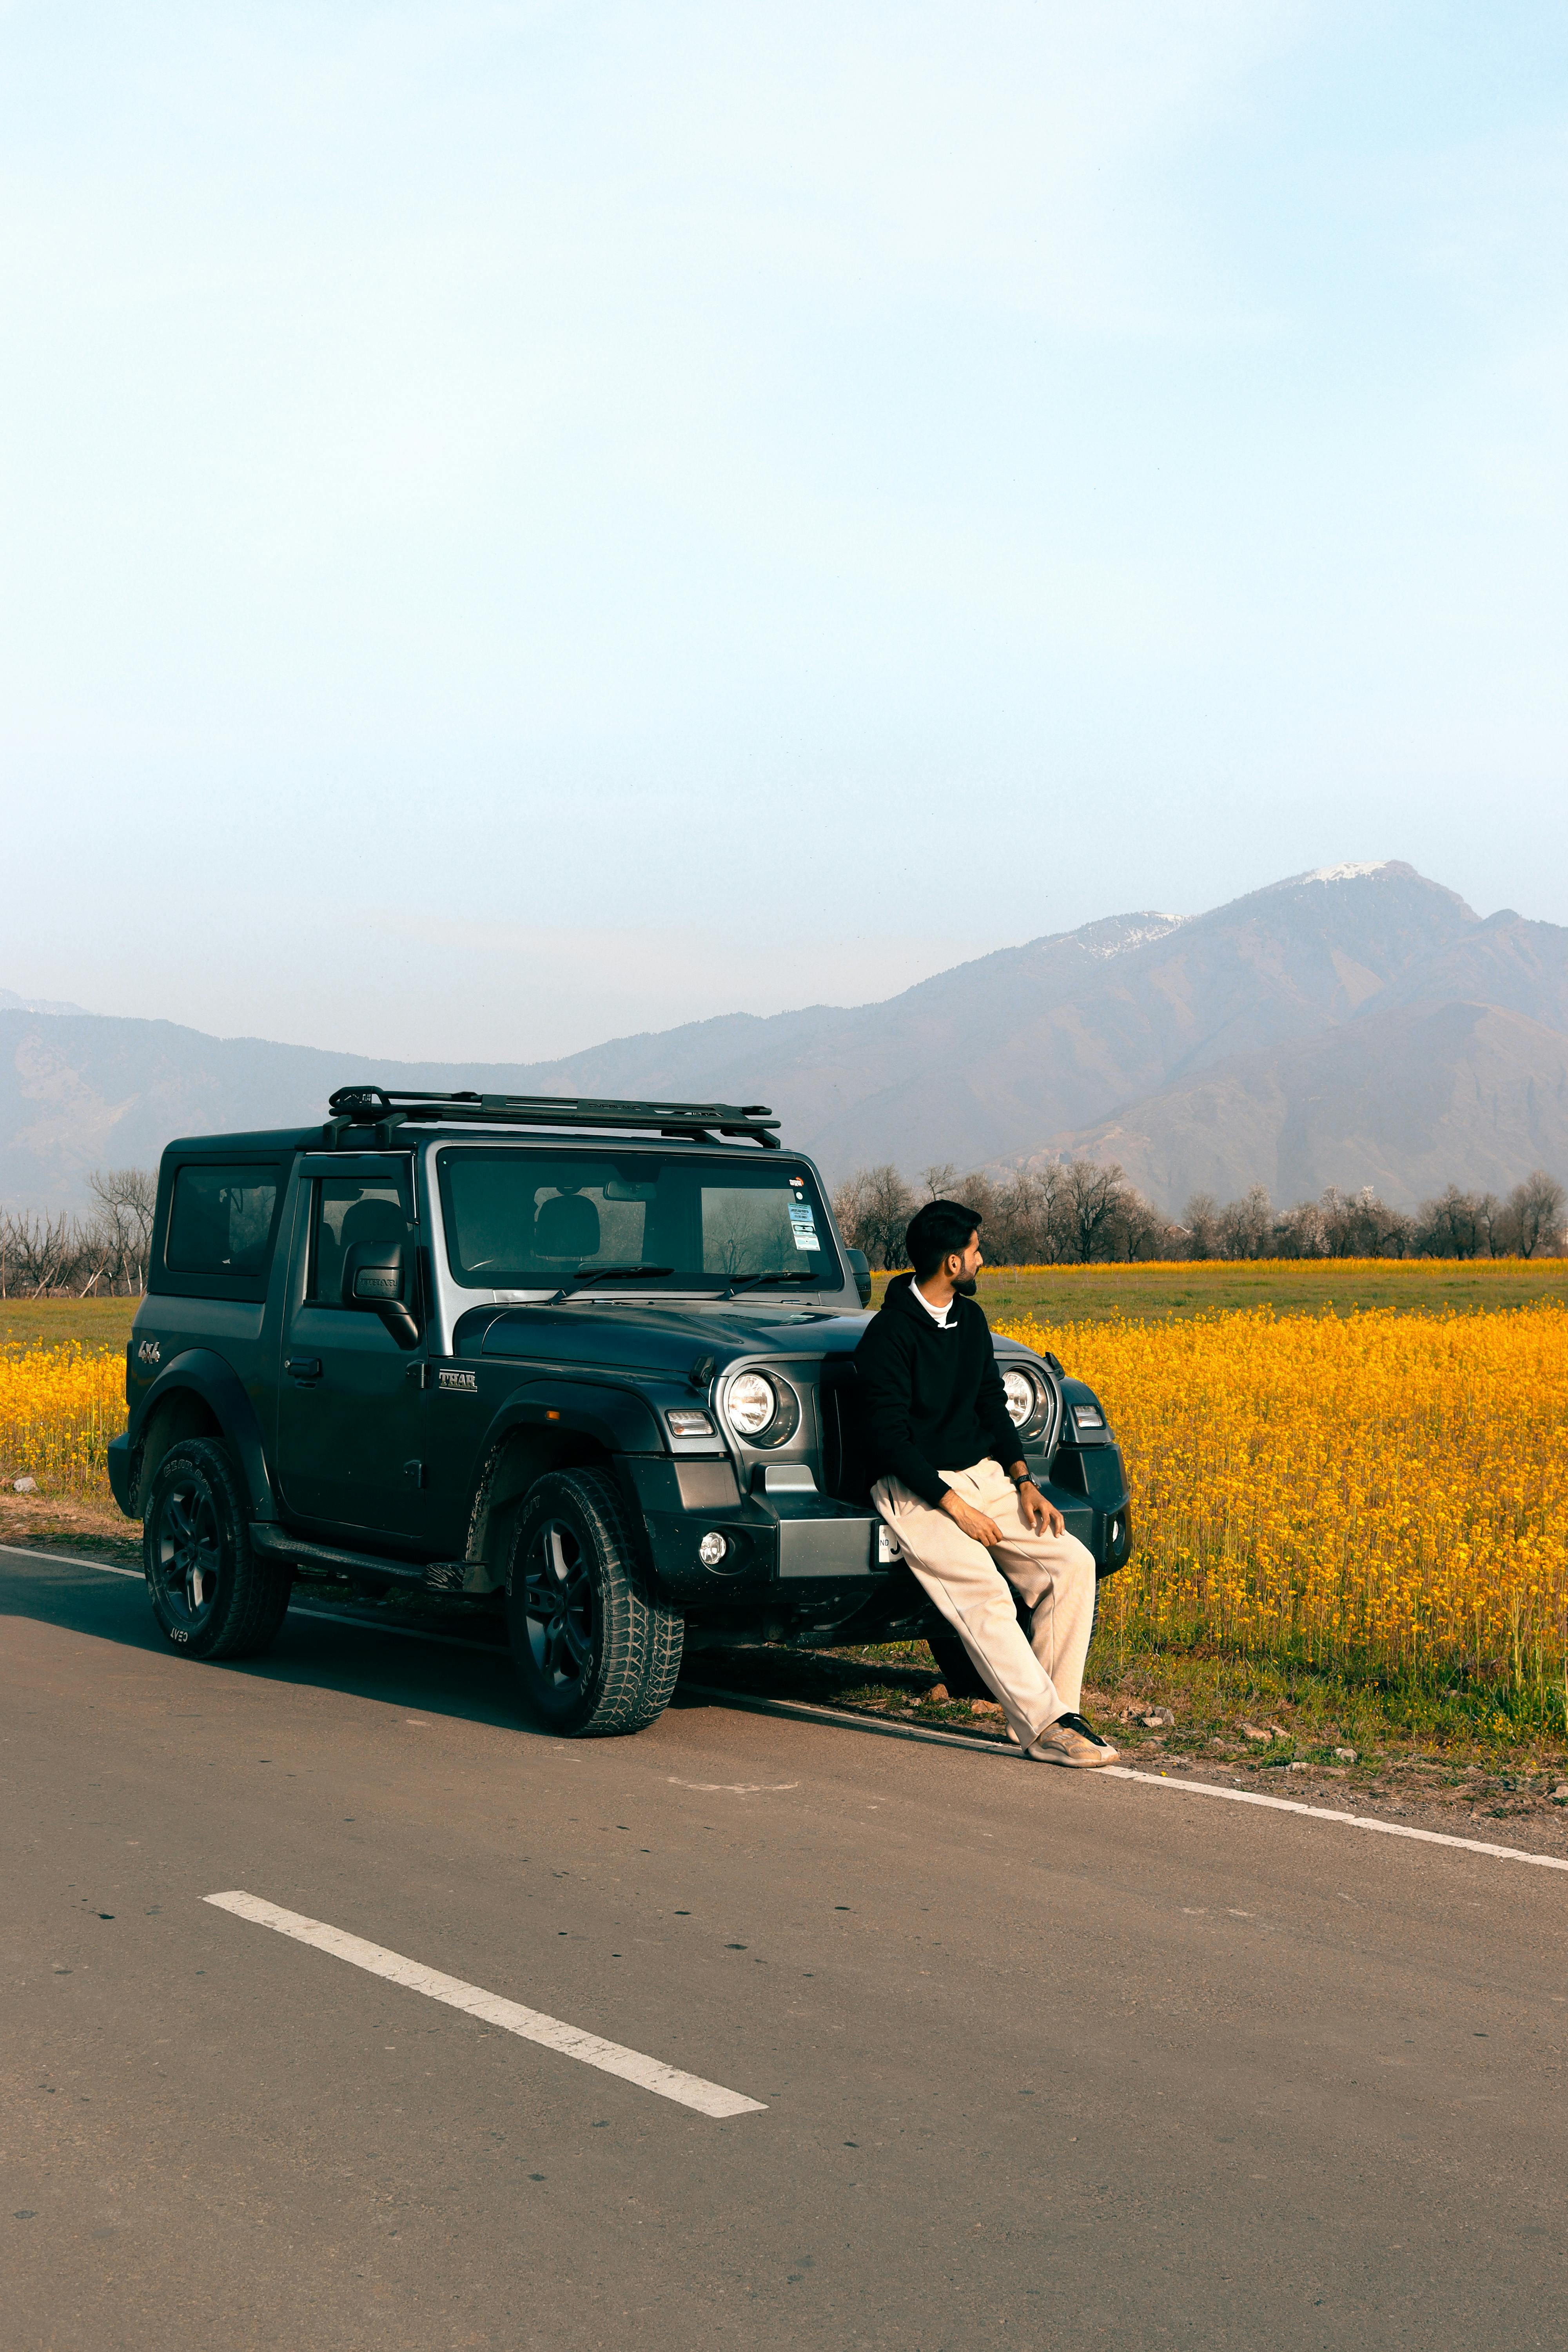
(1384, 1486)
(1390, 1488)
(59, 1409)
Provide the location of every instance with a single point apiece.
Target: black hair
(941, 1229)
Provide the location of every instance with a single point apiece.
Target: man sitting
(953, 1486)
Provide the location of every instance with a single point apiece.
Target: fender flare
(616, 1418)
(204, 1373)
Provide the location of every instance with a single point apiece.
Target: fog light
(711, 1548)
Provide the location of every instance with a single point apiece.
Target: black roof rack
(386, 1108)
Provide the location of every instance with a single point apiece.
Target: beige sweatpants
(1038, 1679)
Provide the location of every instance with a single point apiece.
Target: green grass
(1095, 1294)
(1448, 1730)
(1066, 1294)
(100, 1324)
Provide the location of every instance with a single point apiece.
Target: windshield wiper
(585, 1275)
(755, 1281)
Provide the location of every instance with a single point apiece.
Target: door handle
(303, 1368)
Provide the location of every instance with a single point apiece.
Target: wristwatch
(1027, 1480)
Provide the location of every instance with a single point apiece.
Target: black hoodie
(930, 1399)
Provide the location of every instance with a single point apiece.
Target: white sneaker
(1073, 1741)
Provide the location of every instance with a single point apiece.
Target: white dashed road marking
(735, 1787)
(530, 2024)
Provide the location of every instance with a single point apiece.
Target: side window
(350, 1208)
(221, 1220)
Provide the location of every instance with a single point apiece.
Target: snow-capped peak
(1336, 874)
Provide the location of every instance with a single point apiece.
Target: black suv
(597, 1357)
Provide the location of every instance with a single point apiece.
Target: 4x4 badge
(468, 1382)
(149, 1352)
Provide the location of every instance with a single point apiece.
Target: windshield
(529, 1220)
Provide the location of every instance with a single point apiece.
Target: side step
(430, 1576)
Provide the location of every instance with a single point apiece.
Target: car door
(350, 1411)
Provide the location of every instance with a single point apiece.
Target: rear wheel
(595, 1653)
(211, 1595)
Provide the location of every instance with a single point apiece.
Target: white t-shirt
(940, 1315)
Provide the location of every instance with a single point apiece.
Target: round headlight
(750, 1404)
(761, 1411)
(1022, 1396)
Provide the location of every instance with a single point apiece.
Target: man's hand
(974, 1523)
(1038, 1516)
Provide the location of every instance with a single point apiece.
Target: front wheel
(595, 1653)
(211, 1595)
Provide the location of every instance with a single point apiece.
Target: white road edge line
(1184, 1787)
(326, 1616)
(802, 1711)
(65, 1559)
(530, 2024)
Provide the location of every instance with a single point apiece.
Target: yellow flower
(1387, 1486)
(59, 1409)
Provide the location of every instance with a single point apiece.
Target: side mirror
(860, 1267)
(375, 1277)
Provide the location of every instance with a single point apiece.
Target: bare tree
(1090, 1195)
(1137, 1230)
(1451, 1226)
(1302, 1232)
(1246, 1226)
(127, 1199)
(107, 1251)
(1200, 1218)
(873, 1209)
(1024, 1224)
(40, 1251)
(1359, 1225)
(1537, 1207)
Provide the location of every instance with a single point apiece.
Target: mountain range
(1357, 1025)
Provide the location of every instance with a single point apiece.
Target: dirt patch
(68, 1522)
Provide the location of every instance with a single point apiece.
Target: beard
(967, 1289)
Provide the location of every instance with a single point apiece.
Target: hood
(666, 1339)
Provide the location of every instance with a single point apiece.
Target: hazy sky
(526, 522)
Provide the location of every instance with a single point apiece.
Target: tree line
(1074, 1212)
(1086, 1213)
(101, 1254)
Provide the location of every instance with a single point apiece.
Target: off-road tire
(595, 1655)
(212, 1595)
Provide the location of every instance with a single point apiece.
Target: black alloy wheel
(557, 1617)
(188, 1554)
(596, 1652)
(212, 1595)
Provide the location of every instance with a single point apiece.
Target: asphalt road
(1042, 2059)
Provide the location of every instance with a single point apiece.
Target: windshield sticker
(803, 1224)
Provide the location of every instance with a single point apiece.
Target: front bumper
(803, 1546)
(777, 1542)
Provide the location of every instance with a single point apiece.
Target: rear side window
(221, 1220)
